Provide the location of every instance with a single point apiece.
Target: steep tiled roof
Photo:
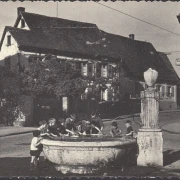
(36, 21)
(65, 37)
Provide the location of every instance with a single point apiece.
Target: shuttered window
(84, 69)
(104, 71)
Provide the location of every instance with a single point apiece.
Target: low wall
(167, 105)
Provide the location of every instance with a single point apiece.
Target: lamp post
(149, 138)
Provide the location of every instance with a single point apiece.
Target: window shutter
(172, 91)
(98, 69)
(90, 69)
(110, 71)
(163, 90)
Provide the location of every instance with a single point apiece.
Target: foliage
(9, 94)
(53, 79)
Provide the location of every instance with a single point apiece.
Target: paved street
(15, 158)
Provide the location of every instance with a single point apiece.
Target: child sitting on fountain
(35, 149)
(129, 130)
(53, 128)
(97, 124)
(60, 126)
(85, 127)
(115, 131)
(70, 124)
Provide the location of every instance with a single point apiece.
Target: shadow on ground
(170, 156)
(19, 166)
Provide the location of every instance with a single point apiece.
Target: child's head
(93, 114)
(114, 124)
(43, 122)
(36, 133)
(72, 117)
(52, 122)
(87, 121)
(128, 123)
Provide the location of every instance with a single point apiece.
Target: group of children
(69, 126)
(56, 128)
(115, 131)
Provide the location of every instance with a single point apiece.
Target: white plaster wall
(8, 50)
(26, 26)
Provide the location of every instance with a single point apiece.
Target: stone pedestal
(149, 138)
(150, 144)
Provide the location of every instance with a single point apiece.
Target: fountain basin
(86, 155)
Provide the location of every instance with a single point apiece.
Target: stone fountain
(149, 138)
(86, 155)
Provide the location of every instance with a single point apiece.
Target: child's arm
(119, 132)
(111, 133)
(38, 142)
(70, 131)
(129, 134)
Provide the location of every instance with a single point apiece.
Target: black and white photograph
(89, 89)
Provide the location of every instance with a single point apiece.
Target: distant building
(97, 53)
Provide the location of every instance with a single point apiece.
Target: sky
(163, 14)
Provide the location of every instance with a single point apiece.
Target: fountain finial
(150, 77)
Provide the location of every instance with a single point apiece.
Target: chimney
(132, 36)
(20, 10)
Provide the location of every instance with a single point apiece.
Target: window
(104, 71)
(104, 95)
(170, 91)
(22, 23)
(8, 40)
(84, 69)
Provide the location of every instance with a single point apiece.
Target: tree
(52, 79)
(9, 94)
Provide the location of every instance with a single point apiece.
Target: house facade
(96, 53)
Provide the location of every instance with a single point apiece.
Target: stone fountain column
(149, 138)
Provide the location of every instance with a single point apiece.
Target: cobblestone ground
(15, 159)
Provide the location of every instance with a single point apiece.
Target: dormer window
(8, 40)
(22, 23)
